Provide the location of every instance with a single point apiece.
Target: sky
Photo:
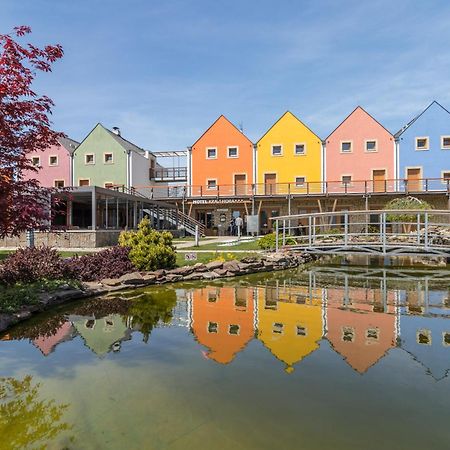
(163, 71)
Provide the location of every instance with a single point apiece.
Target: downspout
(397, 163)
(189, 171)
(255, 171)
(323, 170)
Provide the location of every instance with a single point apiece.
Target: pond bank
(197, 272)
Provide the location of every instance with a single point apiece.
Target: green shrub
(268, 241)
(405, 203)
(149, 249)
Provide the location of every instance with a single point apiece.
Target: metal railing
(307, 188)
(382, 232)
(168, 174)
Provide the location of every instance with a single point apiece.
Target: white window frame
(211, 148)
(84, 179)
(38, 159)
(237, 151)
(297, 185)
(422, 149)
(57, 181)
(444, 147)
(86, 163)
(104, 158)
(56, 163)
(443, 178)
(212, 332)
(108, 182)
(276, 145)
(371, 140)
(346, 141)
(207, 184)
(238, 329)
(427, 332)
(304, 149)
(345, 183)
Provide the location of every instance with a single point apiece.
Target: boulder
(214, 265)
(159, 273)
(209, 275)
(220, 272)
(173, 277)
(132, 278)
(199, 267)
(149, 278)
(185, 270)
(110, 282)
(231, 266)
(193, 276)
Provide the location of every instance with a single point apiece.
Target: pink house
(360, 153)
(54, 164)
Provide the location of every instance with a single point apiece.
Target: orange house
(221, 161)
(222, 320)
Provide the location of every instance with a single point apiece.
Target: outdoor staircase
(178, 219)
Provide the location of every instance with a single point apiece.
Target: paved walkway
(212, 240)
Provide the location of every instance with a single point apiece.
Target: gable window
(59, 184)
(89, 158)
(371, 146)
(211, 153)
(108, 158)
(211, 184)
(422, 143)
(372, 335)
(346, 147)
(277, 150)
(300, 181)
(445, 142)
(233, 152)
(213, 327)
(36, 161)
(346, 180)
(234, 329)
(53, 160)
(300, 149)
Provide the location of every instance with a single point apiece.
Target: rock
(132, 278)
(249, 260)
(110, 282)
(149, 278)
(173, 277)
(199, 267)
(214, 265)
(220, 272)
(92, 285)
(185, 270)
(159, 273)
(231, 266)
(193, 276)
(209, 275)
(244, 267)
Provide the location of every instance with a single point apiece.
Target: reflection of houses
(222, 320)
(360, 332)
(102, 335)
(46, 344)
(290, 329)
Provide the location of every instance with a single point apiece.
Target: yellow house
(289, 152)
(289, 330)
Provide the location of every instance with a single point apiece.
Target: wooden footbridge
(368, 232)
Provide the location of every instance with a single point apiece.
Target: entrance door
(379, 180)
(240, 184)
(413, 178)
(270, 180)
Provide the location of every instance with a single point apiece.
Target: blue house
(423, 149)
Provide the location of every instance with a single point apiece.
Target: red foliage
(24, 127)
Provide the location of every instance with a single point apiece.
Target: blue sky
(164, 70)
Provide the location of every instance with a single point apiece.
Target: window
(372, 335)
(212, 297)
(346, 180)
(233, 152)
(277, 150)
(108, 158)
(213, 327)
(446, 176)
(234, 329)
(300, 149)
(83, 182)
(211, 153)
(446, 338)
(300, 181)
(423, 337)
(371, 146)
(36, 161)
(422, 143)
(301, 330)
(59, 184)
(211, 184)
(53, 160)
(109, 185)
(346, 147)
(90, 323)
(277, 328)
(445, 142)
(89, 159)
(348, 334)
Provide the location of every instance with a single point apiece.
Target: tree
(24, 127)
(405, 203)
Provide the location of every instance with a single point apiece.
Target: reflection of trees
(26, 420)
(149, 308)
(39, 327)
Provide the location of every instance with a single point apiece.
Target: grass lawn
(208, 256)
(5, 253)
(253, 245)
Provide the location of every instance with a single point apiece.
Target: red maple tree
(24, 127)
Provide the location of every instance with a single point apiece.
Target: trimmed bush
(28, 265)
(268, 241)
(149, 249)
(110, 263)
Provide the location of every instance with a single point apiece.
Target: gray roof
(69, 144)
(127, 145)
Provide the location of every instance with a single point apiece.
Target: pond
(342, 358)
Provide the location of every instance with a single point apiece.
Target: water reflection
(362, 315)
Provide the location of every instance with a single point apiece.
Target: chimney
(116, 130)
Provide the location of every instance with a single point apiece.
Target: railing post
(384, 232)
(197, 236)
(314, 230)
(276, 235)
(418, 228)
(426, 230)
(346, 229)
(365, 187)
(426, 184)
(201, 191)
(309, 230)
(307, 188)
(218, 191)
(284, 232)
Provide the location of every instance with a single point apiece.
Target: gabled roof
(295, 117)
(403, 129)
(69, 144)
(363, 110)
(214, 123)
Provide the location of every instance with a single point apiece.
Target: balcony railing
(357, 187)
(168, 174)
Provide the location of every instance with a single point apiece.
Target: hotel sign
(218, 201)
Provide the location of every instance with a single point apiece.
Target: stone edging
(210, 271)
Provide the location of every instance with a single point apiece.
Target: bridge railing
(421, 229)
